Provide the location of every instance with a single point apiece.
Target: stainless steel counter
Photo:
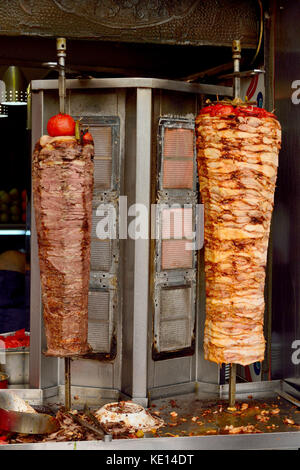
(263, 394)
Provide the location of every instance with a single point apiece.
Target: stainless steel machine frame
(289, 440)
(131, 370)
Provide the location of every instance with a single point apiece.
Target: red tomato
(87, 138)
(10, 342)
(225, 110)
(207, 109)
(24, 195)
(61, 124)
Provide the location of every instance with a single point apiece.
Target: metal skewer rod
(236, 56)
(68, 383)
(61, 48)
(232, 385)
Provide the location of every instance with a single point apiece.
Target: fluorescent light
(13, 232)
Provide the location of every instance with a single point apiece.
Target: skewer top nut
(236, 46)
(61, 44)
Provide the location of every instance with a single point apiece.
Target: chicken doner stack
(237, 153)
(62, 190)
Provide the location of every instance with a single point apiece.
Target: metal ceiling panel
(186, 22)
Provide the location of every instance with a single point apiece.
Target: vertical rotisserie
(237, 151)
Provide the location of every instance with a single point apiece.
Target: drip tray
(199, 421)
(192, 416)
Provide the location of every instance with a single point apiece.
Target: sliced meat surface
(62, 191)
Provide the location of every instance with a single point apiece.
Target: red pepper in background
(20, 334)
(11, 343)
(18, 340)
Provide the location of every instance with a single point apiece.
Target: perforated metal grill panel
(98, 336)
(175, 303)
(99, 319)
(102, 136)
(104, 222)
(175, 255)
(104, 301)
(174, 335)
(177, 223)
(178, 153)
(102, 174)
(175, 261)
(179, 143)
(175, 319)
(99, 305)
(102, 141)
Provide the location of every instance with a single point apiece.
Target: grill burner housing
(143, 295)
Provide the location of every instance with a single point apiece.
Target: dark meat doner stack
(62, 188)
(237, 163)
